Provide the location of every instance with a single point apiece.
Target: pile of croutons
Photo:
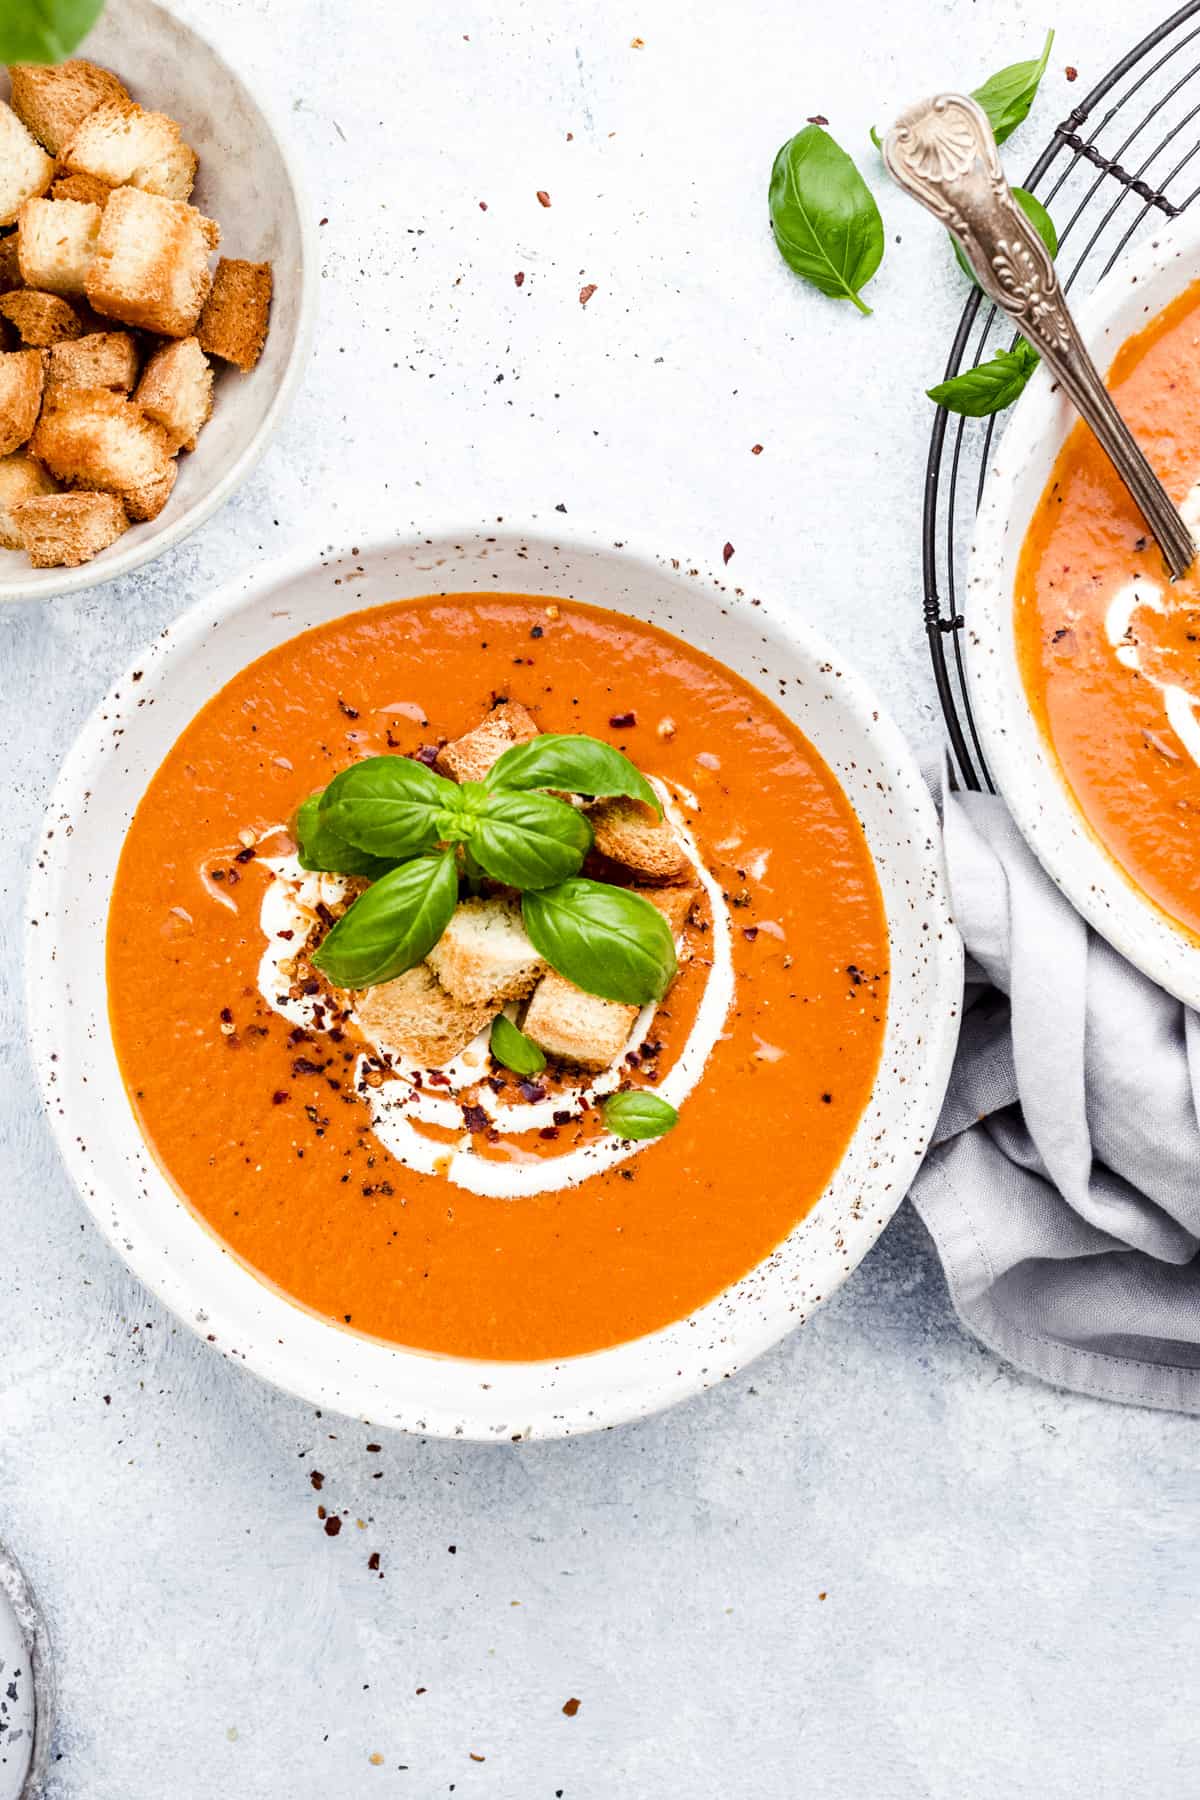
(109, 311)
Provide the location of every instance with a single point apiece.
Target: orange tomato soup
(1130, 773)
(267, 1139)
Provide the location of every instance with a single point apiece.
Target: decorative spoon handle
(943, 153)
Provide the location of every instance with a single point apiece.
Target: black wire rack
(1125, 158)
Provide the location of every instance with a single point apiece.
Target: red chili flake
(226, 1016)
(623, 721)
(531, 1091)
(303, 1066)
(817, 119)
(537, 632)
(756, 449)
(280, 1097)
(519, 278)
(427, 754)
(856, 975)
(483, 206)
(332, 1526)
(1072, 74)
(475, 1758)
(475, 1119)
(374, 1449)
(727, 552)
(585, 293)
(548, 1131)
(217, 874)
(571, 1707)
(543, 197)
(373, 1560)
(827, 1099)
(562, 1118)
(317, 1479)
(749, 932)
(246, 855)
(286, 935)
(322, 221)
(351, 712)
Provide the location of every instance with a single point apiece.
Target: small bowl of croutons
(157, 294)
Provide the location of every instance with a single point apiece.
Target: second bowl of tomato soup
(527, 986)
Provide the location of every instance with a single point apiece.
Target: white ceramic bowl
(1022, 763)
(248, 182)
(98, 789)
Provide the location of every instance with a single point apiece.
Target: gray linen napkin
(1063, 1193)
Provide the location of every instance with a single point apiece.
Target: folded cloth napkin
(1063, 1192)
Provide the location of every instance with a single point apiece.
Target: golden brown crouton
(64, 530)
(21, 477)
(56, 240)
(52, 101)
(470, 757)
(93, 438)
(102, 359)
(151, 262)
(41, 319)
(80, 187)
(415, 1017)
(637, 842)
(20, 396)
(580, 1028)
(674, 903)
(483, 956)
(25, 169)
(233, 324)
(176, 391)
(10, 266)
(123, 144)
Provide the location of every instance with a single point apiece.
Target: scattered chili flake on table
(727, 552)
(543, 197)
(373, 1560)
(585, 293)
(817, 119)
(519, 278)
(756, 449)
(1071, 72)
(332, 1526)
(483, 206)
(571, 1707)
(317, 1479)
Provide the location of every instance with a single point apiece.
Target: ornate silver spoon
(943, 153)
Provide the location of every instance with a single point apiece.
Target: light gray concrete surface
(879, 1563)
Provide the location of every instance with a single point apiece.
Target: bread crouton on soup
(631, 836)
(102, 359)
(151, 262)
(25, 169)
(93, 438)
(414, 1017)
(580, 1028)
(52, 100)
(470, 757)
(176, 390)
(80, 187)
(21, 477)
(674, 903)
(10, 266)
(40, 319)
(484, 956)
(123, 144)
(64, 530)
(56, 240)
(21, 377)
(233, 324)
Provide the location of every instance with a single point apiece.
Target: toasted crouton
(151, 262)
(21, 375)
(52, 101)
(93, 438)
(40, 319)
(102, 359)
(80, 187)
(674, 903)
(415, 1017)
(56, 241)
(64, 530)
(25, 169)
(632, 837)
(484, 957)
(470, 757)
(123, 144)
(233, 324)
(580, 1028)
(20, 479)
(10, 266)
(176, 391)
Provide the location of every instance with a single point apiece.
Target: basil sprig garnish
(638, 1114)
(318, 846)
(393, 925)
(391, 806)
(1007, 96)
(513, 1050)
(607, 940)
(529, 840)
(979, 392)
(824, 216)
(571, 765)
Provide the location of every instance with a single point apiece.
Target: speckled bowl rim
(1023, 765)
(200, 1281)
(109, 566)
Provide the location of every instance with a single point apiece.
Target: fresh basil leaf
(607, 940)
(638, 1114)
(513, 1050)
(529, 840)
(44, 31)
(991, 387)
(876, 139)
(1038, 217)
(393, 925)
(392, 806)
(571, 765)
(319, 847)
(825, 219)
(1007, 96)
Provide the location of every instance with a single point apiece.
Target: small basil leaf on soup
(824, 216)
(638, 1114)
(605, 939)
(528, 840)
(979, 392)
(513, 1050)
(1038, 217)
(390, 806)
(1007, 96)
(318, 847)
(393, 925)
(571, 765)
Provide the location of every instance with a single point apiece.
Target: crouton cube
(93, 438)
(123, 144)
(484, 957)
(470, 757)
(20, 479)
(25, 169)
(102, 359)
(674, 903)
(64, 530)
(580, 1028)
(80, 187)
(40, 319)
(151, 262)
(176, 391)
(56, 241)
(52, 101)
(233, 324)
(632, 837)
(415, 1017)
(21, 376)
(10, 266)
